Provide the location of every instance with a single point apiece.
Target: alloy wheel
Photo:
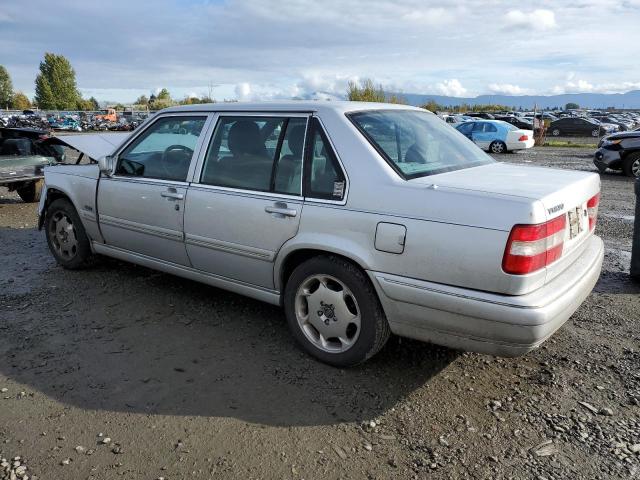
(497, 147)
(327, 313)
(63, 236)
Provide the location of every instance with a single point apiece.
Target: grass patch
(559, 143)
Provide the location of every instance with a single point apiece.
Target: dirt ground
(122, 372)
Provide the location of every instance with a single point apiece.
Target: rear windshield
(417, 144)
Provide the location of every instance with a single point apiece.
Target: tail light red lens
(592, 209)
(523, 138)
(533, 247)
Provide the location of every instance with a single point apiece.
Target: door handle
(284, 211)
(172, 195)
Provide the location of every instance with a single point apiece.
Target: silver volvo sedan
(359, 219)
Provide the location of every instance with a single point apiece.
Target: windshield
(417, 144)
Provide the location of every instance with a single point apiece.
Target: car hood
(623, 135)
(94, 145)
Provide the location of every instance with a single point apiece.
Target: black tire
(631, 165)
(498, 147)
(556, 132)
(374, 328)
(595, 132)
(31, 193)
(80, 255)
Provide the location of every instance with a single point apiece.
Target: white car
(497, 136)
(359, 219)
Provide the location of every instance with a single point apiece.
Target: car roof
(290, 106)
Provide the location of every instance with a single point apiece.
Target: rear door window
(256, 153)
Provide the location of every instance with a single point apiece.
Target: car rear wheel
(555, 132)
(498, 147)
(333, 311)
(31, 193)
(66, 236)
(595, 132)
(631, 165)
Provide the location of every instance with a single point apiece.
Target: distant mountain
(585, 100)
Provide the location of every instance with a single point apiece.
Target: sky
(270, 49)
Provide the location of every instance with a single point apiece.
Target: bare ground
(188, 381)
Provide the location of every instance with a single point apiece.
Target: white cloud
(540, 19)
(243, 91)
(451, 88)
(431, 16)
(507, 89)
(575, 85)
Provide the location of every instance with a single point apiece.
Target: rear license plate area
(575, 222)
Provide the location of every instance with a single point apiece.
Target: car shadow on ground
(120, 337)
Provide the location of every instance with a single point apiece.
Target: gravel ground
(119, 371)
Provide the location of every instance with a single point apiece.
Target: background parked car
(496, 136)
(576, 126)
(620, 151)
(519, 122)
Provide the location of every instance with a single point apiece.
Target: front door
(247, 199)
(141, 207)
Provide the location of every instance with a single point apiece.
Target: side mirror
(106, 164)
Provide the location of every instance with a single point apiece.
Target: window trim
(210, 135)
(337, 164)
(144, 128)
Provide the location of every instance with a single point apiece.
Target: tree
(366, 91)
(571, 106)
(56, 84)
(20, 101)
(164, 95)
(6, 88)
(432, 106)
(142, 100)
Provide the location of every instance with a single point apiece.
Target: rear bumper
(485, 322)
(605, 158)
(517, 145)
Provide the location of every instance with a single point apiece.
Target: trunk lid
(558, 192)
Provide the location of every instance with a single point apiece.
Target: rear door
(141, 206)
(483, 134)
(246, 197)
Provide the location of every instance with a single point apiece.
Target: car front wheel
(555, 132)
(333, 311)
(631, 165)
(595, 132)
(31, 193)
(66, 236)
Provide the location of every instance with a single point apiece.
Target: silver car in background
(359, 219)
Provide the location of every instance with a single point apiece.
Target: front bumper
(486, 322)
(605, 158)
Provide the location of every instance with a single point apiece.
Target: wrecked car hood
(93, 145)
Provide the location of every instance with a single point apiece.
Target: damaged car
(23, 155)
(359, 219)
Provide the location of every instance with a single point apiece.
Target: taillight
(592, 209)
(532, 247)
(523, 138)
